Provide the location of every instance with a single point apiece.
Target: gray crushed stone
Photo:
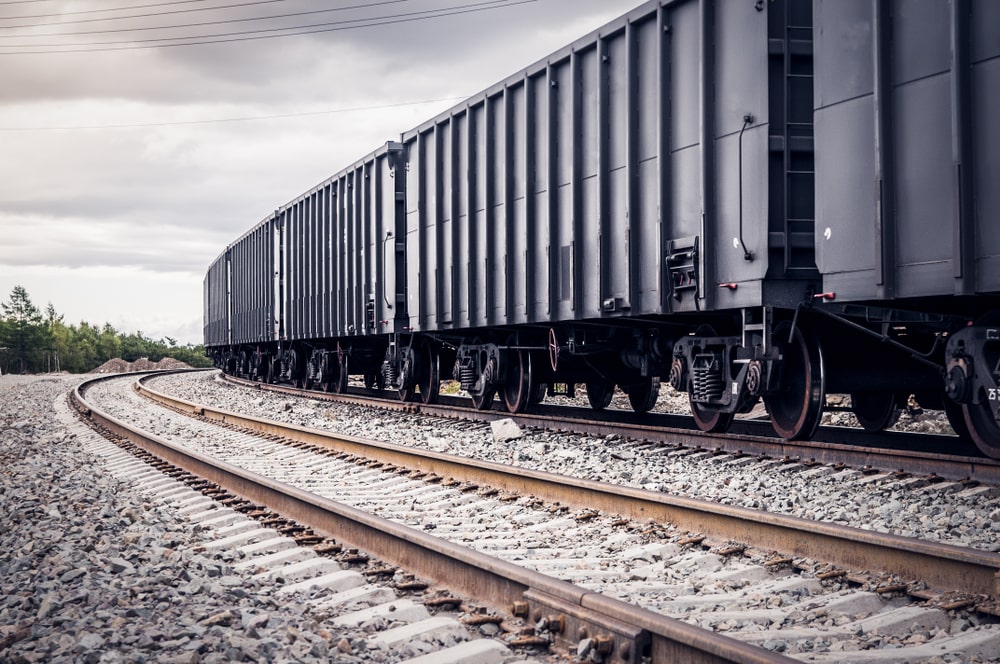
(92, 572)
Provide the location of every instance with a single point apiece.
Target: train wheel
(711, 421)
(519, 385)
(797, 409)
(296, 370)
(982, 426)
(408, 372)
(599, 394)
(956, 418)
(642, 395)
(341, 372)
(429, 376)
(326, 372)
(876, 411)
(484, 401)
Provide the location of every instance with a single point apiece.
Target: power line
(197, 25)
(252, 118)
(253, 35)
(119, 18)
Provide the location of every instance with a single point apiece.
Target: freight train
(752, 200)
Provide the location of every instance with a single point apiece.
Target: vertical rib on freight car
(907, 137)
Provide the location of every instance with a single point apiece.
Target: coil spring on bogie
(391, 373)
(467, 376)
(706, 378)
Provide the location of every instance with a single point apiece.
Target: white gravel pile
(946, 512)
(89, 572)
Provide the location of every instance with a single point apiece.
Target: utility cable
(252, 35)
(198, 25)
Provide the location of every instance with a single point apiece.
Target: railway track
(933, 455)
(705, 560)
(251, 550)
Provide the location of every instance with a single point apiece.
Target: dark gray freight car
(751, 200)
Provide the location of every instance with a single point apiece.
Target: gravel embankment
(941, 512)
(91, 571)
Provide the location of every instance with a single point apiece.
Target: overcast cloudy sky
(125, 169)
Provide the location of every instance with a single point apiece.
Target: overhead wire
(250, 3)
(202, 23)
(252, 35)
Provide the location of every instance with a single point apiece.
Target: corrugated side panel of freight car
(216, 302)
(907, 120)
(606, 179)
(252, 262)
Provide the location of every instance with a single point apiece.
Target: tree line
(33, 341)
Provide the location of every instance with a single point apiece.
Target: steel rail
(628, 632)
(744, 437)
(943, 567)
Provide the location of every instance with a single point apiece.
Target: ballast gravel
(93, 572)
(946, 511)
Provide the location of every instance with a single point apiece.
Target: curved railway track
(941, 576)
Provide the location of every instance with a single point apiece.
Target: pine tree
(23, 332)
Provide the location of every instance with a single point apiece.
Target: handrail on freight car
(747, 254)
(388, 236)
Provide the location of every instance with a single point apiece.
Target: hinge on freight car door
(682, 265)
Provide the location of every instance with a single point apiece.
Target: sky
(132, 151)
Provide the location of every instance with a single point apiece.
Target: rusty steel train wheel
(519, 385)
(643, 393)
(326, 372)
(599, 394)
(429, 372)
(797, 407)
(538, 395)
(876, 411)
(341, 372)
(296, 369)
(408, 375)
(710, 421)
(980, 423)
(982, 426)
(484, 401)
(488, 367)
(956, 418)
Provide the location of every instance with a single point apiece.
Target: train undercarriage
(789, 360)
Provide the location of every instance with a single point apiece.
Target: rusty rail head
(627, 632)
(942, 566)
